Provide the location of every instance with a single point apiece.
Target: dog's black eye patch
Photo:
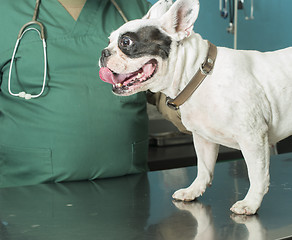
(146, 41)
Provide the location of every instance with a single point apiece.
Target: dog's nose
(105, 53)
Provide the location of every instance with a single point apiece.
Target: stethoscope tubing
(41, 34)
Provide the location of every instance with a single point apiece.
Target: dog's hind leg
(207, 153)
(257, 157)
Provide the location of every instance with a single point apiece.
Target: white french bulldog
(245, 103)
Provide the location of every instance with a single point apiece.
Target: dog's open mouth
(123, 82)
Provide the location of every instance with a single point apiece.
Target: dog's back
(263, 76)
(273, 71)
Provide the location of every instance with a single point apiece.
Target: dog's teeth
(139, 75)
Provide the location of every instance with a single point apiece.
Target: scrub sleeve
(77, 130)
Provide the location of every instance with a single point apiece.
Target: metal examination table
(140, 207)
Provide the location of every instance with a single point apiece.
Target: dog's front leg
(256, 153)
(207, 153)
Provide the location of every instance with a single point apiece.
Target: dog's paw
(244, 207)
(187, 194)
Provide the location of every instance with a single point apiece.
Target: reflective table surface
(140, 207)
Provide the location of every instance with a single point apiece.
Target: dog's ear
(179, 20)
(158, 9)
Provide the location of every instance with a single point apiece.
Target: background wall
(270, 30)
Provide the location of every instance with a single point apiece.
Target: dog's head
(139, 52)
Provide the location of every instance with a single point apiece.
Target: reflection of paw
(197, 209)
(243, 219)
(244, 207)
(201, 213)
(194, 206)
(253, 225)
(188, 194)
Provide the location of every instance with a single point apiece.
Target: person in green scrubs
(77, 129)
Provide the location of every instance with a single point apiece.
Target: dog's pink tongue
(106, 75)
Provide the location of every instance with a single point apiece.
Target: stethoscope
(242, 7)
(21, 33)
(41, 34)
(223, 5)
(234, 6)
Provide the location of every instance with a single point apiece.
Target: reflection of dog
(206, 227)
(253, 226)
(203, 216)
(244, 103)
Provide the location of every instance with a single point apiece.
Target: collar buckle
(171, 104)
(207, 66)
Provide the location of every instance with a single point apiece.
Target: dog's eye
(125, 41)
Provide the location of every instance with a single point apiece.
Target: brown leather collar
(198, 78)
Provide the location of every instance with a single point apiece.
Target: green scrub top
(78, 129)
